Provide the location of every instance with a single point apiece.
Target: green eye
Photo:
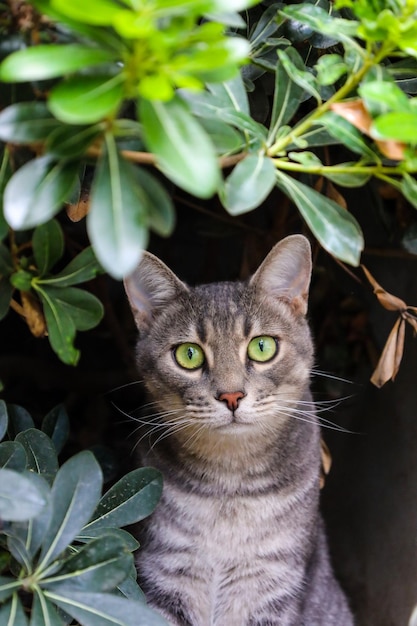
(189, 355)
(262, 348)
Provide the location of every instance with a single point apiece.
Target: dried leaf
(33, 313)
(326, 462)
(391, 356)
(354, 112)
(388, 301)
(391, 149)
(411, 319)
(76, 212)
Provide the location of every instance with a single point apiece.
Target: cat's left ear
(286, 272)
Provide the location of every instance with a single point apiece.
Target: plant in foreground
(63, 553)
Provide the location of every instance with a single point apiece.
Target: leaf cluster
(63, 553)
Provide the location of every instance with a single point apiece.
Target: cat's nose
(231, 399)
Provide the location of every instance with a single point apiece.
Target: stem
(373, 170)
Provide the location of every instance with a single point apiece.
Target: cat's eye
(189, 355)
(262, 348)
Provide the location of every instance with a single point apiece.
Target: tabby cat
(237, 538)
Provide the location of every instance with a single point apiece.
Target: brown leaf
(388, 301)
(391, 149)
(389, 362)
(33, 314)
(326, 462)
(354, 112)
(411, 319)
(76, 212)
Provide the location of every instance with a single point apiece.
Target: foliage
(124, 86)
(63, 555)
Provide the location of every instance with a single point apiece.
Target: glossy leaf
(100, 565)
(336, 229)
(130, 589)
(104, 609)
(382, 96)
(13, 456)
(287, 99)
(51, 60)
(352, 179)
(20, 497)
(409, 189)
(183, 150)
(161, 210)
(7, 587)
(48, 245)
(12, 612)
(245, 123)
(61, 328)
(40, 452)
(26, 122)
(321, 21)
(97, 12)
(117, 221)
(82, 268)
(75, 493)
(347, 134)
(19, 420)
(43, 612)
(231, 94)
(30, 534)
(56, 425)
(37, 191)
(226, 140)
(293, 64)
(131, 499)
(4, 419)
(83, 307)
(86, 99)
(399, 125)
(330, 68)
(249, 184)
(72, 141)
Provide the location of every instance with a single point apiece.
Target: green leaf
(231, 94)
(161, 211)
(104, 609)
(226, 139)
(131, 590)
(117, 221)
(19, 420)
(244, 123)
(397, 125)
(97, 12)
(131, 499)
(48, 245)
(336, 229)
(43, 612)
(82, 268)
(61, 328)
(13, 456)
(330, 67)
(26, 122)
(37, 191)
(293, 64)
(347, 134)
(409, 189)
(7, 587)
(321, 21)
(84, 309)
(100, 565)
(382, 96)
(75, 493)
(12, 613)
(249, 184)
(287, 99)
(51, 60)
(6, 261)
(21, 280)
(56, 425)
(4, 419)
(72, 141)
(87, 99)
(41, 453)
(20, 497)
(183, 150)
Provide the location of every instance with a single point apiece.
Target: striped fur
(237, 538)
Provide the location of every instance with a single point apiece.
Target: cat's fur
(237, 538)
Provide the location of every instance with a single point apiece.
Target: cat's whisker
(323, 374)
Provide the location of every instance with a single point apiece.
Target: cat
(237, 538)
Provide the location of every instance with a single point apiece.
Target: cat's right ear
(151, 287)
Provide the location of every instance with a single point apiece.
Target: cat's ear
(151, 287)
(286, 272)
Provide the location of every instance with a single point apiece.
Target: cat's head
(229, 357)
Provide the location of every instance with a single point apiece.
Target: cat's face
(229, 357)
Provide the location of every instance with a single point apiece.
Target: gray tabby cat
(237, 538)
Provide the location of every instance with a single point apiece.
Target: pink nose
(231, 399)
